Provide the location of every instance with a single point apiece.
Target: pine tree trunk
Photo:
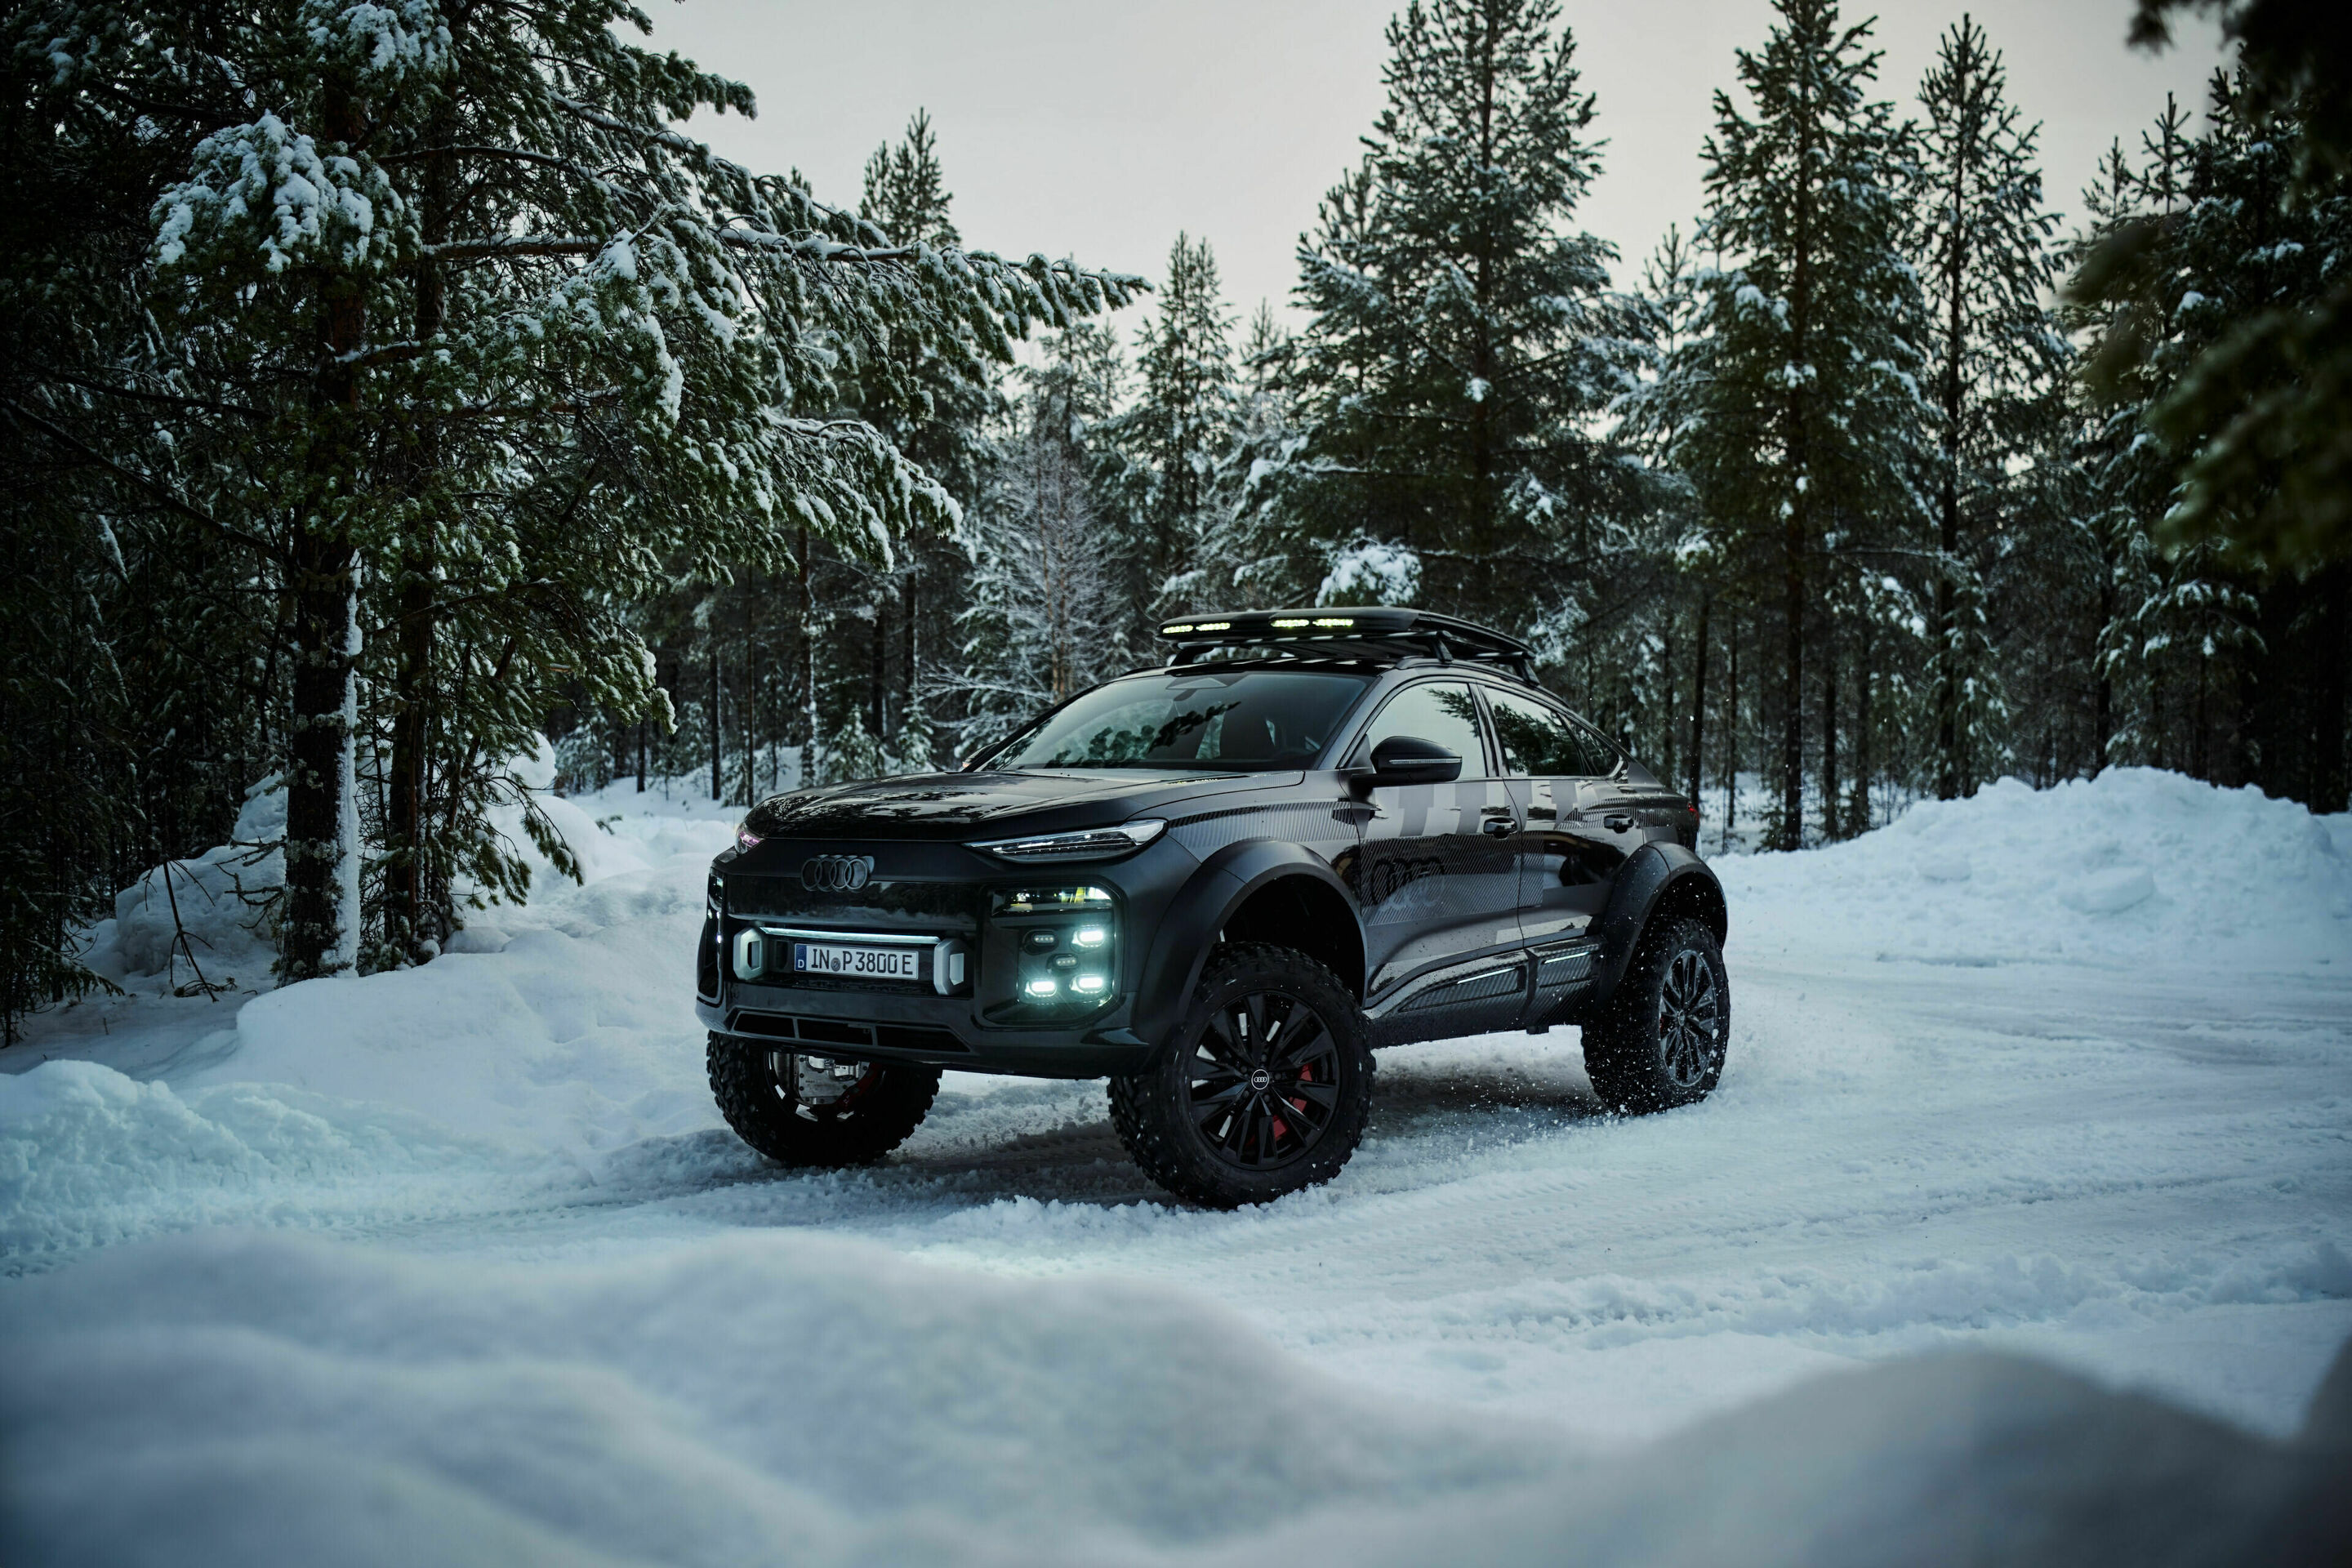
(408, 923)
(914, 570)
(1795, 532)
(1698, 697)
(875, 668)
(2102, 686)
(1830, 827)
(1948, 782)
(1731, 734)
(717, 730)
(1789, 833)
(412, 914)
(1482, 355)
(1857, 815)
(2329, 772)
(320, 576)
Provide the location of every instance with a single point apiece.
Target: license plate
(858, 963)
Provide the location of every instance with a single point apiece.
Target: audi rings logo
(836, 873)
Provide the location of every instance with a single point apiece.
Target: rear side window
(1442, 712)
(1539, 739)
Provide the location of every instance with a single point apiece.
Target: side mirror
(1409, 760)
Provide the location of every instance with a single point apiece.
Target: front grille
(879, 904)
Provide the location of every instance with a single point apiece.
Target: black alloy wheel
(1266, 1088)
(1662, 1039)
(1689, 1008)
(806, 1110)
(1265, 1078)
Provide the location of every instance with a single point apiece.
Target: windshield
(1249, 721)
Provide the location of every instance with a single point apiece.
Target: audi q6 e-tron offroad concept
(1221, 884)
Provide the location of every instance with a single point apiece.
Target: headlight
(1092, 844)
(744, 837)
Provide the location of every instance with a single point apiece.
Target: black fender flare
(1202, 908)
(1653, 874)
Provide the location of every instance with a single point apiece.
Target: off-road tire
(1158, 1114)
(874, 1118)
(1660, 1041)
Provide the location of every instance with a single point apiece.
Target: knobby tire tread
(740, 1084)
(1161, 1148)
(1620, 1048)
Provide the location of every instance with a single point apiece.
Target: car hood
(992, 805)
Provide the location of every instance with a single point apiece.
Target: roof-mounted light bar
(1357, 626)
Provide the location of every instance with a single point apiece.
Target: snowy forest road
(2063, 1072)
(2124, 1173)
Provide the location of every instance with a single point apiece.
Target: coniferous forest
(388, 385)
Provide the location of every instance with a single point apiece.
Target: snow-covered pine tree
(2246, 655)
(483, 350)
(1692, 553)
(916, 602)
(851, 751)
(1466, 344)
(1997, 368)
(1045, 597)
(1797, 403)
(1252, 558)
(1179, 428)
(2125, 480)
(2266, 412)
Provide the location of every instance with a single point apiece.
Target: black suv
(1220, 884)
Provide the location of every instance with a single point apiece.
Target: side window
(1443, 711)
(1539, 739)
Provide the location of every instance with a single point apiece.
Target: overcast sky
(1100, 129)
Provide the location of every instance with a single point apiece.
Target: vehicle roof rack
(1350, 630)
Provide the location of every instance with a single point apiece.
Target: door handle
(1498, 828)
(1618, 821)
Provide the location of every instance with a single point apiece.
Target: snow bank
(561, 1031)
(783, 1398)
(751, 1401)
(208, 898)
(2136, 866)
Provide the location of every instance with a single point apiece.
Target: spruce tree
(2274, 394)
(1177, 433)
(1798, 405)
(944, 430)
(1996, 366)
(1043, 589)
(1252, 558)
(2257, 642)
(1466, 345)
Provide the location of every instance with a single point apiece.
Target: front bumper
(943, 892)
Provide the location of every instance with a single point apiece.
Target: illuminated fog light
(1091, 936)
(1042, 987)
(1089, 984)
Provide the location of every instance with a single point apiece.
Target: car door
(1583, 821)
(1437, 873)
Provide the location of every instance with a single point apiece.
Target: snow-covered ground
(458, 1264)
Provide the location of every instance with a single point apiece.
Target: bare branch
(155, 488)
